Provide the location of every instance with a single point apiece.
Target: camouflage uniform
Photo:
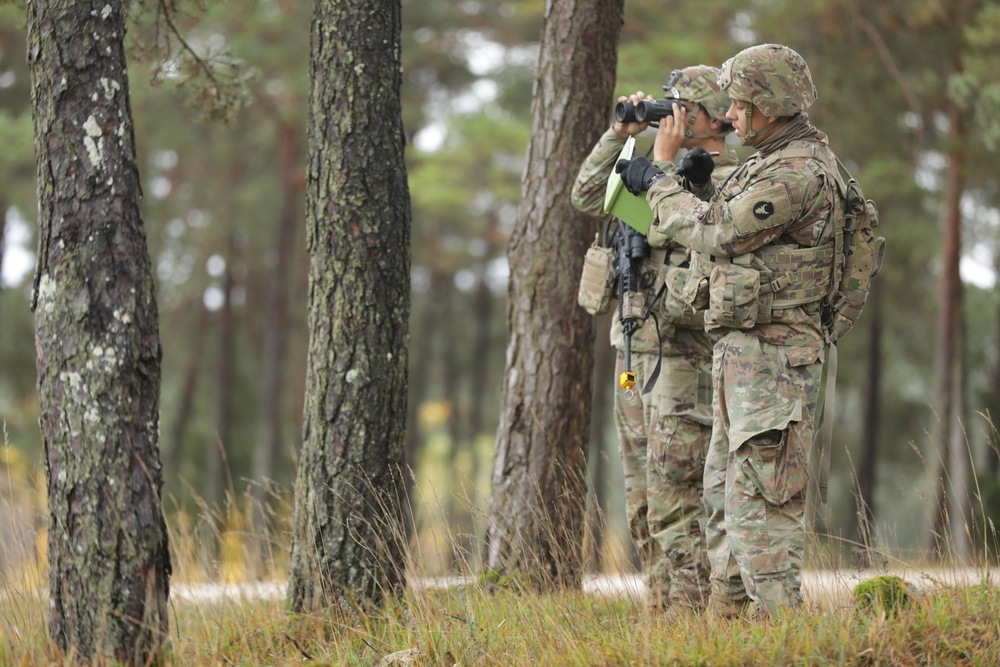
(776, 215)
(664, 435)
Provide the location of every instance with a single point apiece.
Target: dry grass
(949, 621)
(476, 625)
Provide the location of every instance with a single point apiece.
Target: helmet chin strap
(752, 137)
(748, 138)
(689, 132)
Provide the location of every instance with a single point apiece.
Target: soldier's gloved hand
(696, 166)
(638, 174)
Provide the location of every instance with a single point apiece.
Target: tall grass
(228, 608)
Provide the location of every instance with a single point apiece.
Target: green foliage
(977, 86)
(884, 594)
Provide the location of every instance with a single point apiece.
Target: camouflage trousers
(663, 437)
(756, 471)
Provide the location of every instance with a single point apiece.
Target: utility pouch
(685, 297)
(733, 292)
(597, 280)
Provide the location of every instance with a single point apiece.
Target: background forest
(909, 95)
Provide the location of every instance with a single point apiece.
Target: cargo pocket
(684, 390)
(775, 463)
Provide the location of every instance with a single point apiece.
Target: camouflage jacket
(786, 201)
(588, 196)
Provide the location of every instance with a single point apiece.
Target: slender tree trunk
(3, 231)
(192, 372)
(217, 482)
(947, 365)
(451, 362)
(960, 464)
(603, 404)
(422, 354)
(539, 470)
(870, 426)
(347, 541)
(275, 345)
(483, 321)
(992, 466)
(97, 342)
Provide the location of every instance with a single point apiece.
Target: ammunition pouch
(597, 280)
(751, 289)
(733, 293)
(678, 303)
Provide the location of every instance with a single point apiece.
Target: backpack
(862, 253)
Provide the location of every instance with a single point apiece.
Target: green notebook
(621, 203)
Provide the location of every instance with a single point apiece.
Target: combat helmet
(699, 84)
(772, 77)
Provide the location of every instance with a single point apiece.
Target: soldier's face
(737, 115)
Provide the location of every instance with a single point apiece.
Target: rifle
(630, 249)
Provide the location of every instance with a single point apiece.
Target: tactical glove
(696, 166)
(638, 174)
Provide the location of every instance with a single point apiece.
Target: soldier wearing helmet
(663, 435)
(774, 80)
(764, 249)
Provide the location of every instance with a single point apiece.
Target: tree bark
(97, 342)
(539, 470)
(347, 537)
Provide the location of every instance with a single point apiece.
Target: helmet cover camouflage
(699, 84)
(772, 77)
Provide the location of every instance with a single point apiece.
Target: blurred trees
(97, 341)
(216, 194)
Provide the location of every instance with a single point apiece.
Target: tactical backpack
(862, 253)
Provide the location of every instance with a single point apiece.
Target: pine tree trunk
(347, 537)
(539, 471)
(97, 342)
(947, 370)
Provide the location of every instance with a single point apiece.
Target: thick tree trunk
(97, 342)
(539, 471)
(347, 537)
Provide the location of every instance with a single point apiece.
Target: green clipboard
(621, 203)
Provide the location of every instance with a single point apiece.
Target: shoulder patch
(760, 208)
(763, 210)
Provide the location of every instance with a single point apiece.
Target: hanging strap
(823, 444)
